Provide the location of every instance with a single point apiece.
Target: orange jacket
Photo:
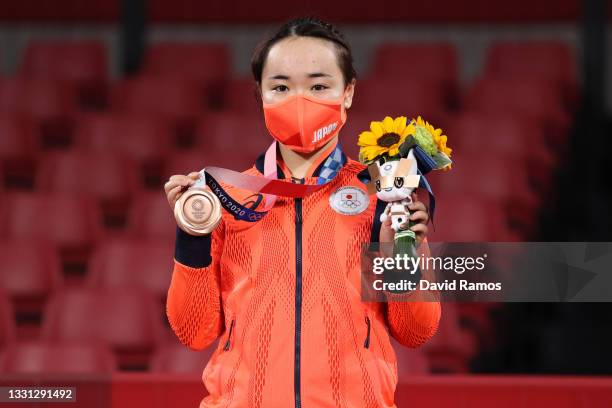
(284, 294)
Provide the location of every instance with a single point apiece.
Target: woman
(284, 292)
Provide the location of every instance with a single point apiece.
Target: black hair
(306, 27)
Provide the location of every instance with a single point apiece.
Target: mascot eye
(399, 182)
(377, 185)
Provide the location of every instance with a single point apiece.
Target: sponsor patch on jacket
(349, 200)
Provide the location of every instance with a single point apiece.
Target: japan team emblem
(349, 200)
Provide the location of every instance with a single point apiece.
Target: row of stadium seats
(144, 138)
(149, 138)
(94, 357)
(72, 221)
(99, 331)
(84, 63)
(52, 109)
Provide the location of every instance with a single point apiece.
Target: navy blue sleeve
(192, 251)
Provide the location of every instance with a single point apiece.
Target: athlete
(283, 293)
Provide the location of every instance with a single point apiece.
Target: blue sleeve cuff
(192, 251)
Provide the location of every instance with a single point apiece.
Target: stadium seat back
(172, 98)
(104, 175)
(43, 99)
(143, 264)
(150, 216)
(69, 60)
(30, 269)
(143, 138)
(125, 318)
(437, 61)
(191, 60)
(66, 220)
(38, 357)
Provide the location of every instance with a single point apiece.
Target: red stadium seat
(50, 103)
(492, 177)
(19, 146)
(18, 137)
(145, 138)
(532, 99)
(196, 160)
(502, 135)
(83, 63)
(184, 162)
(37, 357)
(499, 181)
(230, 131)
(431, 61)
(127, 319)
(71, 222)
(110, 178)
(7, 321)
(133, 263)
(174, 358)
(205, 64)
(191, 60)
(43, 99)
(452, 348)
(66, 220)
(178, 100)
(106, 176)
(167, 97)
(31, 271)
(410, 361)
(537, 59)
(241, 95)
(406, 96)
(462, 217)
(151, 217)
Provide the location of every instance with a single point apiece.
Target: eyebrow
(311, 75)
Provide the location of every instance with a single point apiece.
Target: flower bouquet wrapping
(398, 154)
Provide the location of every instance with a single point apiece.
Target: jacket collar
(259, 164)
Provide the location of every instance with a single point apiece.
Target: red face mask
(304, 123)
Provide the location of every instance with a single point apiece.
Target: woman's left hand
(418, 215)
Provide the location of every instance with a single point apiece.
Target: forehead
(388, 168)
(301, 55)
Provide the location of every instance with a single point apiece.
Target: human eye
(319, 87)
(280, 88)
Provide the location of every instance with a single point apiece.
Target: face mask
(304, 123)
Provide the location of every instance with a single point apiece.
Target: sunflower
(438, 138)
(383, 138)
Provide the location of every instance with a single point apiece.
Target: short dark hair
(306, 27)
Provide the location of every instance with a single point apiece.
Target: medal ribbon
(269, 185)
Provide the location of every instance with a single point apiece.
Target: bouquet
(398, 154)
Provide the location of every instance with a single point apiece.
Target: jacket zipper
(229, 336)
(366, 344)
(298, 300)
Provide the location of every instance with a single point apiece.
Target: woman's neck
(299, 163)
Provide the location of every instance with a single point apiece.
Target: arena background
(101, 101)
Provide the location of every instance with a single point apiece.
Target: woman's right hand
(177, 184)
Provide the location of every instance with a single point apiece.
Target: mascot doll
(398, 154)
